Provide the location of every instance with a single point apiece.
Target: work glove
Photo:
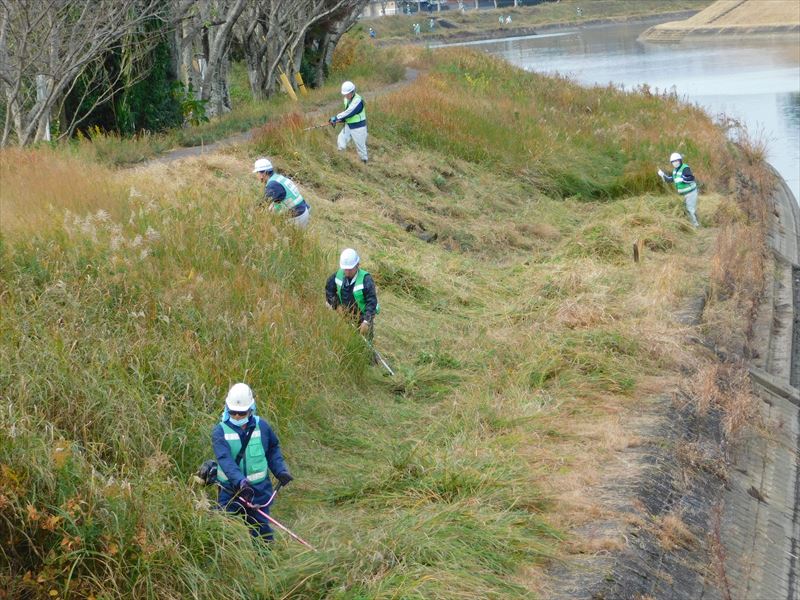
(284, 477)
(328, 304)
(661, 174)
(246, 491)
(363, 329)
(333, 121)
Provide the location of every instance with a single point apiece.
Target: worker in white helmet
(352, 289)
(685, 184)
(282, 194)
(246, 449)
(354, 117)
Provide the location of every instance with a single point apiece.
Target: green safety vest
(358, 117)
(358, 289)
(293, 195)
(254, 462)
(683, 187)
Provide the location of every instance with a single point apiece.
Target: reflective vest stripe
(254, 477)
(235, 436)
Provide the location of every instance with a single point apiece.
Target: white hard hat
(262, 165)
(347, 87)
(349, 259)
(675, 156)
(239, 398)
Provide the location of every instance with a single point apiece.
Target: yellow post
(298, 78)
(288, 86)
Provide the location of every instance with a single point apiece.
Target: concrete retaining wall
(760, 527)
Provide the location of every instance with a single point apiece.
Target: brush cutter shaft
(279, 526)
(378, 356)
(258, 508)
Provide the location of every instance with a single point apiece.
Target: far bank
(732, 18)
(452, 25)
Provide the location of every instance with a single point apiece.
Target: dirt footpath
(246, 136)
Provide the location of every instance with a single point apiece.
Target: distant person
(353, 289)
(282, 194)
(354, 117)
(579, 11)
(372, 33)
(246, 447)
(685, 184)
(432, 24)
(508, 19)
(500, 19)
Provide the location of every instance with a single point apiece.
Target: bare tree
(204, 34)
(54, 49)
(328, 36)
(275, 33)
(47, 46)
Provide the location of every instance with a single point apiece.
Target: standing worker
(245, 447)
(282, 194)
(354, 117)
(685, 183)
(353, 289)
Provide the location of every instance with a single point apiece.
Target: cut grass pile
(522, 338)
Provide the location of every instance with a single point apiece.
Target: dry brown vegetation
(673, 533)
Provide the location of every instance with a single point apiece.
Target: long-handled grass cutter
(207, 475)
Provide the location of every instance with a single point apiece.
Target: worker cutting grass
(281, 194)
(685, 185)
(354, 118)
(531, 346)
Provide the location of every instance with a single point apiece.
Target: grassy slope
(398, 27)
(524, 341)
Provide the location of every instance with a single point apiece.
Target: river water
(756, 81)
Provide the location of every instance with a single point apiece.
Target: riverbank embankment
(731, 17)
(760, 525)
(707, 512)
(454, 26)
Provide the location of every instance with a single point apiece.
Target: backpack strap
(245, 440)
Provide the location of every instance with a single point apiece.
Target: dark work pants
(259, 525)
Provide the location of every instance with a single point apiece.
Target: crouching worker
(281, 194)
(246, 448)
(353, 289)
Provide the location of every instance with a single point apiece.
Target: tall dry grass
(570, 140)
(740, 264)
(36, 186)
